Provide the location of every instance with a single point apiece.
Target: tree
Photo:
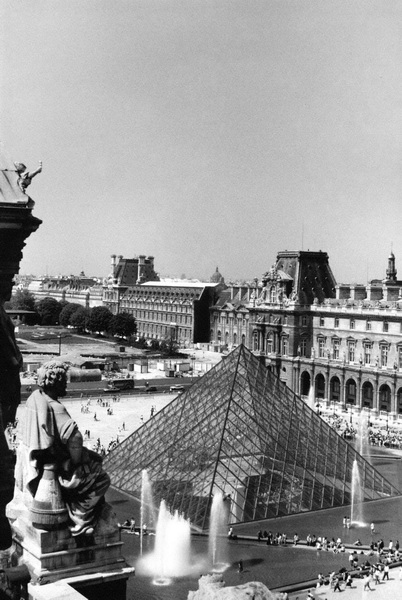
(154, 344)
(23, 300)
(49, 310)
(169, 346)
(67, 312)
(123, 325)
(99, 319)
(79, 319)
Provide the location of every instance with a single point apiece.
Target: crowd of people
(378, 434)
(361, 566)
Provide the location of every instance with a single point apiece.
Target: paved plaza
(386, 590)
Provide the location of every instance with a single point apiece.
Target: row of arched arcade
(351, 392)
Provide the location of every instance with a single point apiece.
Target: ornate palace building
(175, 309)
(75, 289)
(345, 340)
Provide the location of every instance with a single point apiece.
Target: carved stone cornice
(16, 225)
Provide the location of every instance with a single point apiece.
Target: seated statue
(51, 436)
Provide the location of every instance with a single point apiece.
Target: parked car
(151, 388)
(176, 388)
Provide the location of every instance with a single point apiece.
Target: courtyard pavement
(386, 590)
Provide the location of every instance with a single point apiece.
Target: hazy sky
(207, 132)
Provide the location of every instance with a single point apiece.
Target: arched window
(385, 398)
(234, 339)
(367, 394)
(399, 402)
(320, 386)
(335, 390)
(351, 391)
(305, 382)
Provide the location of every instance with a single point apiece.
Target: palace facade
(176, 309)
(344, 340)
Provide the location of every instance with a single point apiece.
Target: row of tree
(48, 311)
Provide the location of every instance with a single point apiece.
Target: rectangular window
(303, 347)
(400, 357)
(367, 354)
(335, 349)
(352, 324)
(304, 320)
(385, 326)
(269, 345)
(384, 356)
(322, 321)
(321, 348)
(336, 322)
(285, 345)
(351, 351)
(368, 325)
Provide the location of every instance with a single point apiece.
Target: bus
(118, 385)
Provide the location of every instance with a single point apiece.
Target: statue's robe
(47, 430)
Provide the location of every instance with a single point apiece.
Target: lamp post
(59, 336)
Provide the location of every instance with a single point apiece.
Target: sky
(206, 132)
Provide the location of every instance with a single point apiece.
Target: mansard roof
(311, 273)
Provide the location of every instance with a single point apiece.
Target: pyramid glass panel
(241, 431)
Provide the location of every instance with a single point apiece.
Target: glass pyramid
(241, 431)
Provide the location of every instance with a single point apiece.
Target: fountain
(147, 506)
(217, 540)
(356, 517)
(311, 398)
(171, 556)
(362, 436)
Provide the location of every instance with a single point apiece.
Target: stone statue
(51, 436)
(24, 176)
(10, 363)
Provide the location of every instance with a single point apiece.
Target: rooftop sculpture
(24, 176)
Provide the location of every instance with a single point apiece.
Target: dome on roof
(217, 277)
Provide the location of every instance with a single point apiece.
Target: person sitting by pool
(357, 542)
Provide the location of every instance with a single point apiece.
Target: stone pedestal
(54, 555)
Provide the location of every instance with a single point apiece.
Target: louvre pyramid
(242, 431)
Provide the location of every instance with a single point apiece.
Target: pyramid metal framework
(242, 431)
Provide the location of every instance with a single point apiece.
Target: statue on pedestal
(24, 176)
(52, 442)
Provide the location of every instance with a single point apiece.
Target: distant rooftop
(179, 283)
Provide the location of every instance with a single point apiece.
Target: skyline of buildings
(344, 340)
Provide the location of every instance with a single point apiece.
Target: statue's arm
(39, 170)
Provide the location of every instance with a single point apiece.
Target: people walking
(337, 586)
(366, 581)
